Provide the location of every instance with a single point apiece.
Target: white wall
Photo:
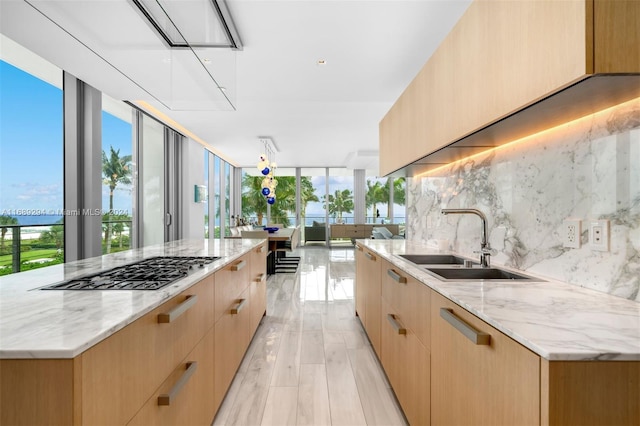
(192, 213)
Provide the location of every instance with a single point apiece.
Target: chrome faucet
(485, 250)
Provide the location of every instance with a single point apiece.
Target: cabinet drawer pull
(359, 247)
(477, 337)
(165, 398)
(183, 307)
(392, 320)
(261, 249)
(260, 278)
(396, 276)
(236, 309)
(241, 264)
(370, 256)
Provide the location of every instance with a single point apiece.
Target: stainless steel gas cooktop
(148, 274)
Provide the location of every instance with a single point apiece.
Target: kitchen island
(497, 351)
(129, 356)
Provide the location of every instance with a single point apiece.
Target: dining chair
(286, 263)
(255, 234)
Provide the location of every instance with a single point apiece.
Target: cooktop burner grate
(148, 274)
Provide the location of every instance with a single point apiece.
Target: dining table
(278, 245)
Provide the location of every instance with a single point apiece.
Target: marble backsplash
(586, 169)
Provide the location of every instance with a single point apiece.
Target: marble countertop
(63, 324)
(558, 321)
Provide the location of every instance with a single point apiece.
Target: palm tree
(307, 195)
(254, 203)
(340, 202)
(375, 195)
(398, 192)
(55, 234)
(116, 170)
(5, 220)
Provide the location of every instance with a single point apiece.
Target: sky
(31, 145)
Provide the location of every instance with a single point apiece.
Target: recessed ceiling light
(321, 62)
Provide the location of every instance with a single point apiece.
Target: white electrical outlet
(599, 235)
(571, 230)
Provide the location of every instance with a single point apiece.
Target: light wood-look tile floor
(310, 362)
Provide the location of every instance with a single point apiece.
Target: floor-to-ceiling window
(385, 199)
(312, 208)
(31, 160)
(283, 210)
(227, 198)
(117, 175)
(254, 203)
(152, 185)
(340, 197)
(207, 154)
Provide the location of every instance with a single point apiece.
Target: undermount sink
(492, 274)
(434, 259)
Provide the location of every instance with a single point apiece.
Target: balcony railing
(25, 247)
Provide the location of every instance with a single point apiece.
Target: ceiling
(317, 115)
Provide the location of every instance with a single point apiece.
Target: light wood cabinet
(407, 295)
(119, 380)
(407, 364)
(184, 398)
(360, 291)
(232, 338)
(590, 393)
(501, 57)
(128, 366)
(368, 294)
(355, 231)
(258, 293)
(494, 381)
(441, 376)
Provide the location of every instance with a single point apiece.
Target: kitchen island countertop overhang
(64, 323)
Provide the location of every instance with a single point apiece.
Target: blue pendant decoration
(269, 183)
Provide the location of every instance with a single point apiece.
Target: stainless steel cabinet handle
(236, 309)
(261, 277)
(178, 310)
(238, 265)
(359, 247)
(397, 327)
(370, 256)
(165, 399)
(396, 276)
(477, 337)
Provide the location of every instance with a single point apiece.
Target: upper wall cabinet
(483, 85)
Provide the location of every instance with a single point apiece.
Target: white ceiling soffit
(317, 114)
(180, 79)
(366, 160)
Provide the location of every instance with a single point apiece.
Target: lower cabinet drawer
(121, 372)
(185, 397)
(407, 364)
(232, 338)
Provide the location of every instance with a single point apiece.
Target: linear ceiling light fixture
(192, 23)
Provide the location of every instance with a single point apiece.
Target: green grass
(6, 260)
